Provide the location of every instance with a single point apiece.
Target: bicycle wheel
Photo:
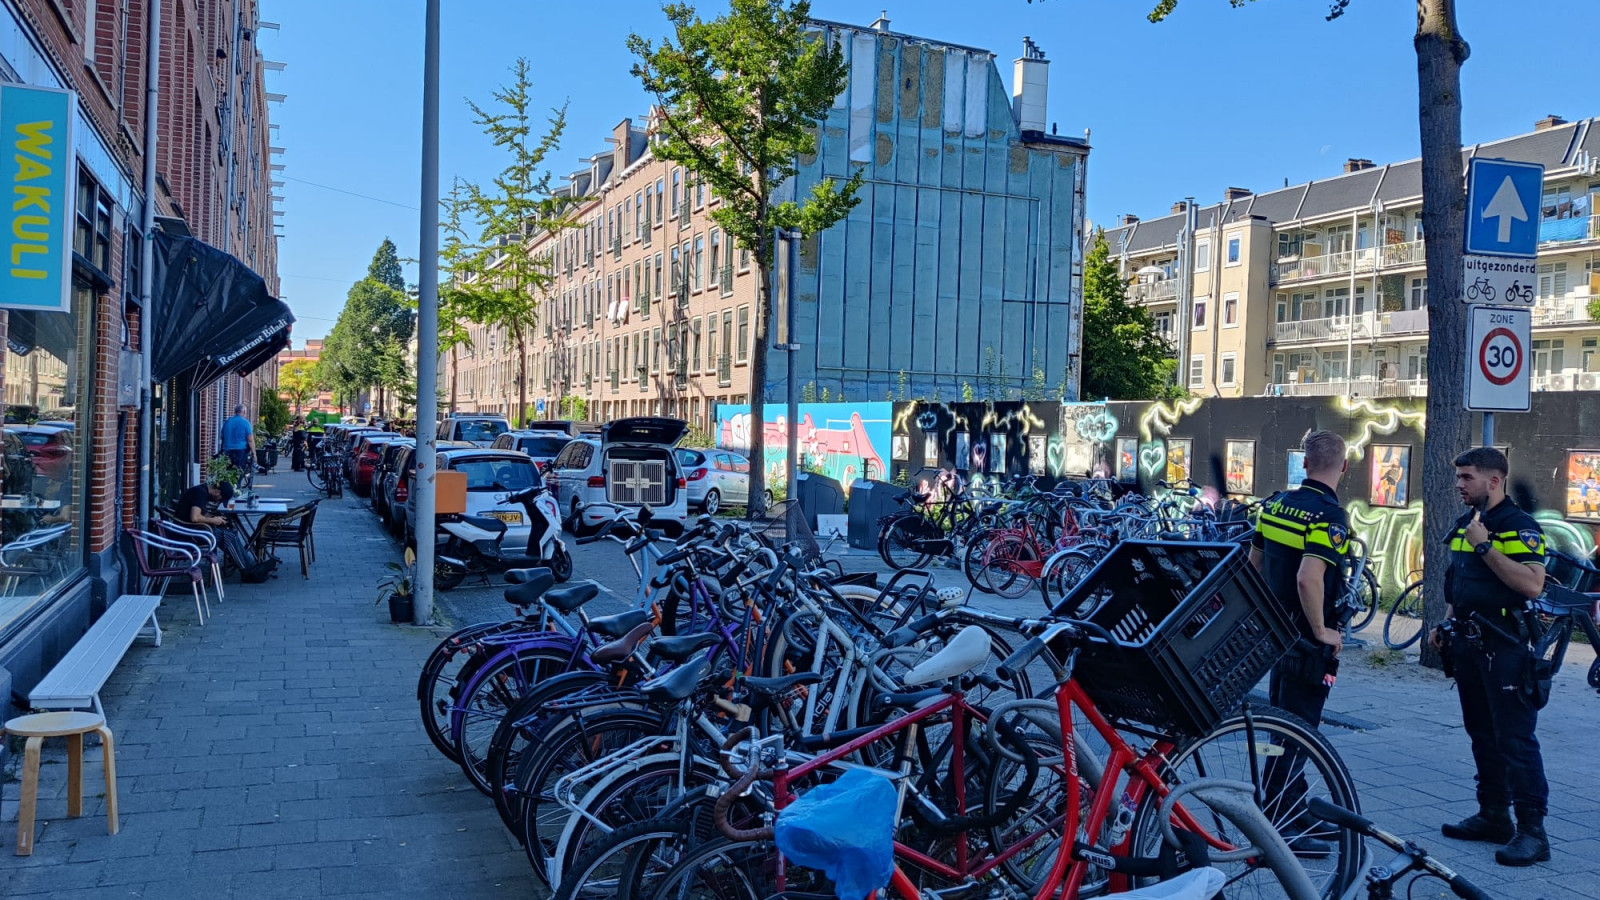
(1065, 571)
(1008, 563)
(1291, 763)
(624, 799)
(494, 690)
(627, 861)
(511, 741)
(730, 870)
(436, 687)
(972, 558)
(1367, 595)
(1402, 627)
(900, 547)
(314, 475)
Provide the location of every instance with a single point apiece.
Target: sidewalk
(275, 751)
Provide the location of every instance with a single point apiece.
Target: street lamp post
(428, 320)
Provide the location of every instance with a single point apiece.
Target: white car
(492, 475)
(479, 431)
(631, 463)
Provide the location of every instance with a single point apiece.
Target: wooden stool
(72, 726)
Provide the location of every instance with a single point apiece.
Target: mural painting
(844, 441)
(988, 440)
(1583, 485)
(1128, 460)
(1297, 468)
(1180, 459)
(1390, 478)
(1240, 469)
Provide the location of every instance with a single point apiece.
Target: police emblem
(1531, 539)
(1337, 535)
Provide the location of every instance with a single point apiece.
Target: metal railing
(1154, 291)
(1360, 387)
(1569, 309)
(1350, 262)
(1364, 326)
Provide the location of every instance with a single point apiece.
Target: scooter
(475, 546)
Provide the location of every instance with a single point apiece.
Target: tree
(454, 251)
(375, 314)
(1441, 51)
(385, 267)
(740, 97)
(274, 412)
(499, 276)
(1124, 358)
(299, 381)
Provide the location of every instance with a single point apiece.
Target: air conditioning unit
(1589, 381)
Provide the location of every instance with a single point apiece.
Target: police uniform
(1491, 673)
(1307, 521)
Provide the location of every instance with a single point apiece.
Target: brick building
(71, 378)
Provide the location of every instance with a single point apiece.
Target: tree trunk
(1440, 53)
(522, 379)
(757, 504)
(455, 375)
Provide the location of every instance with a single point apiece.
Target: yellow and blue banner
(36, 183)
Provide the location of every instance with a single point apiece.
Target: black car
(383, 471)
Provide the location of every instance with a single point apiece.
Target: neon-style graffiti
(1384, 419)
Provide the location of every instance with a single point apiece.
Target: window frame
(1225, 363)
(1197, 371)
(1202, 255)
(1234, 246)
(1230, 309)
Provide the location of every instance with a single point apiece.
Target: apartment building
(962, 261)
(1321, 289)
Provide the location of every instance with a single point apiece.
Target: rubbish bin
(267, 455)
(819, 495)
(869, 502)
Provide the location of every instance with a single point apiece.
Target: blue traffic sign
(539, 407)
(1503, 207)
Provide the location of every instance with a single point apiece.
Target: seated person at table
(192, 503)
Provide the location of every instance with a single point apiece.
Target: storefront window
(44, 442)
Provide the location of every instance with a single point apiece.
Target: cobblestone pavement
(275, 751)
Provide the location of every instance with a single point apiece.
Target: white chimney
(882, 22)
(1030, 86)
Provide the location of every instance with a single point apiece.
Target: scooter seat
(771, 687)
(572, 596)
(676, 684)
(527, 593)
(680, 647)
(493, 526)
(523, 576)
(620, 624)
(619, 649)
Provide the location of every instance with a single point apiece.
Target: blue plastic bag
(844, 829)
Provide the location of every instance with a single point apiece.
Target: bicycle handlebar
(1351, 821)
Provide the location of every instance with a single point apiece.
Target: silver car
(717, 478)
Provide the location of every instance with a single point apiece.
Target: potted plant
(397, 589)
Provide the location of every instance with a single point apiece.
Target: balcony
(1569, 309)
(1570, 230)
(1349, 262)
(1360, 387)
(1365, 326)
(1149, 292)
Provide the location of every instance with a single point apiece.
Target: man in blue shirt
(238, 440)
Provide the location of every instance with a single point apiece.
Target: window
(716, 255)
(655, 351)
(91, 12)
(1233, 250)
(743, 353)
(1552, 280)
(657, 293)
(1549, 357)
(644, 219)
(711, 343)
(744, 259)
(727, 334)
(641, 214)
(677, 274)
(627, 217)
(1419, 293)
(1289, 243)
(1164, 324)
(1230, 310)
(1199, 314)
(699, 263)
(1227, 370)
(694, 358)
(91, 237)
(1202, 256)
(1197, 371)
(699, 193)
(661, 194)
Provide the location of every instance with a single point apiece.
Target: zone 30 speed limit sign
(1497, 359)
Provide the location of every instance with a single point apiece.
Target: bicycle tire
(434, 686)
(509, 742)
(314, 475)
(1005, 562)
(639, 794)
(897, 536)
(972, 558)
(1368, 589)
(621, 864)
(1400, 633)
(495, 690)
(748, 874)
(1065, 571)
(1207, 757)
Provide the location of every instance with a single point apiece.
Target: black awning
(212, 314)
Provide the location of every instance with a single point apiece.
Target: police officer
(1496, 566)
(1299, 546)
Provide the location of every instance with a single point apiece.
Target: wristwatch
(1483, 548)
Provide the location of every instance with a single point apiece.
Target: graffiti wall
(1248, 448)
(844, 441)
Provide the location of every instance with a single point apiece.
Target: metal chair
(181, 559)
(293, 529)
(27, 556)
(203, 540)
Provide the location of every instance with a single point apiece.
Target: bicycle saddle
(493, 526)
(522, 576)
(771, 687)
(678, 648)
(676, 684)
(573, 596)
(528, 591)
(909, 699)
(966, 651)
(620, 624)
(619, 649)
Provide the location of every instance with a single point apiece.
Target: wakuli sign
(36, 164)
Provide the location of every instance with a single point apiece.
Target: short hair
(1323, 450)
(238, 409)
(1486, 459)
(227, 490)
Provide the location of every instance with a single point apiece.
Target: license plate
(510, 518)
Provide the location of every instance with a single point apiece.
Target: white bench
(76, 680)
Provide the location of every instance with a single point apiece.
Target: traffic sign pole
(1488, 430)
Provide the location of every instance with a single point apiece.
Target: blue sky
(1215, 97)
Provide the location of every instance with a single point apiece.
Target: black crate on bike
(1196, 627)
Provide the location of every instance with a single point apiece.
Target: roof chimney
(1180, 206)
(1548, 122)
(1129, 219)
(1236, 193)
(1030, 87)
(881, 23)
(1356, 165)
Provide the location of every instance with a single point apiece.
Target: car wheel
(712, 503)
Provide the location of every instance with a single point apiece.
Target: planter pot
(401, 609)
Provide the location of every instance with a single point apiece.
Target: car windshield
(32, 438)
(543, 446)
(691, 457)
(497, 474)
(486, 430)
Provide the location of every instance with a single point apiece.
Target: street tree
(375, 314)
(299, 381)
(499, 277)
(1124, 357)
(740, 98)
(454, 249)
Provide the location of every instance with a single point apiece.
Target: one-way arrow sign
(1502, 207)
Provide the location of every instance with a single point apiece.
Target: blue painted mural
(843, 441)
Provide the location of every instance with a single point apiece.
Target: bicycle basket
(1196, 627)
(785, 524)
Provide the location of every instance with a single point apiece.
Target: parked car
(716, 478)
(51, 449)
(491, 476)
(630, 463)
(540, 445)
(364, 461)
(479, 431)
(18, 462)
(383, 475)
(564, 426)
(397, 490)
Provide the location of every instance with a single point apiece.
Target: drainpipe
(1350, 304)
(147, 259)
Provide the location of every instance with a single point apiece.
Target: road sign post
(1497, 360)
(1502, 233)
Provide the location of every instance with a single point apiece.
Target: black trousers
(1500, 721)
(1295, 686)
